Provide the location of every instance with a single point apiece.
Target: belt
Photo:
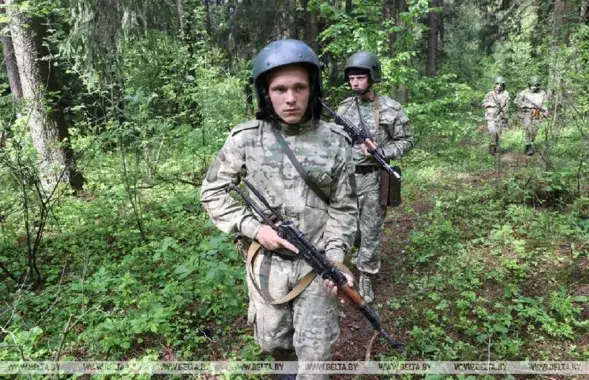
(366, 169)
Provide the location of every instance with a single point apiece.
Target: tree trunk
(558, 22)
(396, 7)
(348, 6)
(441, 28)
(583, 13)
(11, 68)
(208, 18)
(432, 42)
(180, 9)
(290, 18)
(10, 60)
(311, 26)
(46, 119)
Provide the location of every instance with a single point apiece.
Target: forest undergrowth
(486, 259)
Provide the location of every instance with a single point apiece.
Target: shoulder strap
(376, 112)
(252, 252)
(299, 167)
(362, 124)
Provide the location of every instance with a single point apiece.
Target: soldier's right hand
(270, 240)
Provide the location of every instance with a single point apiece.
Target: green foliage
(131, 267)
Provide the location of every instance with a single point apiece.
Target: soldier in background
(531, 110)
(287, 79)
(384, 121)
(496, 106)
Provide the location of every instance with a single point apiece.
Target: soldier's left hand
(364, 150)
(333, 289)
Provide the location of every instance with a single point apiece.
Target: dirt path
(356, 331)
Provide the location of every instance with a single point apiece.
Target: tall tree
(48, 127)
(432, 42)
(10, 61)
(311, 25)
(349, 6)
(392, 10)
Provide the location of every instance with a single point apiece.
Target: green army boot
(365, 287)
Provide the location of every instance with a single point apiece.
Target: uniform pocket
(323, 182)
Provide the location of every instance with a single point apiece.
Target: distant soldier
(496, 105)
(531, 109)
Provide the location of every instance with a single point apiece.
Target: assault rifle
(358, 136)
(323, 267)
(544, 110)
(501, 109)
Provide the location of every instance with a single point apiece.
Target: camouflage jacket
(392, 134)
(524, 99)
(496, 104)
(252, 151)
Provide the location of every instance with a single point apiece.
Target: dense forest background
(111, 111)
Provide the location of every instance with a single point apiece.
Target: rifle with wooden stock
(318, 261)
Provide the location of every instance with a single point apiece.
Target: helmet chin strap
(360, 92)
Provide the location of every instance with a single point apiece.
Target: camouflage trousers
(531, 125)
(370, 222)
(308, 324)
(495, 127)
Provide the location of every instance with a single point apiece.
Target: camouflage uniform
(393, 136)
(529, 114)
(309, 323)
(496, 105)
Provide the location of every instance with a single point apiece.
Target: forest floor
(358, 341)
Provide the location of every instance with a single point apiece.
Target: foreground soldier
(531, 104)
(496, 105)
(385, 122)
(287, 79)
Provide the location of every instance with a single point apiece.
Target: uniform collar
(296, 129)
(367, 99)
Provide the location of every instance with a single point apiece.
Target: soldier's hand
(364, 149)
(333, 289)
(270, 240)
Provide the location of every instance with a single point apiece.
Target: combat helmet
(365, 60)
(534, 81)
(283, 53)
(499, 80)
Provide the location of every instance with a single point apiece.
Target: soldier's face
(359, 83)
(289, 91)
(499, 87)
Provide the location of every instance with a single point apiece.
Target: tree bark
(558, 22)
(432, 42)
(395, 8)
(583, 12)
(311, 26)
(10, 60)
(11, 68)
(208, 18)
(349, 6)
(180, 9)
(47, 123)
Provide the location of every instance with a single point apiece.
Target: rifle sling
(299, 167)
(303, 283)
